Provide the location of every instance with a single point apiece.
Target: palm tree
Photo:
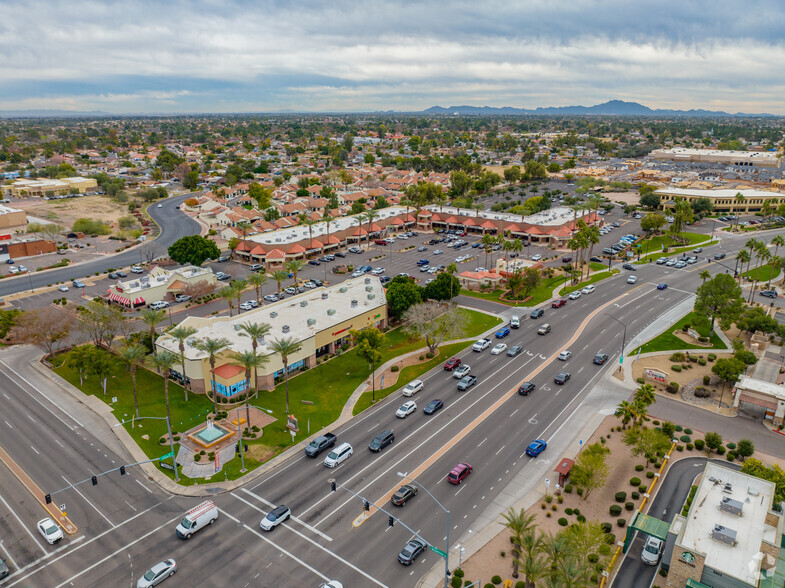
(625, 411)
(212, 347)
(533, 566)
(279, 276)
(80, 358)
(741, 258)
(238, 286)
(307, 221)
(704, 275)
(162, 362)
(593, 237)
(181, 333)
(257, 280)
(327, 221)
(777, 240)
(286, 347)
(739, 199)
(132, 355)
(293, 266)
(519, 524)
(646, 394)
(152, 317)
(764, 256)
(556, 548)
(244, 226)
(573, 573)
(255, 332)
(369, 215)
(487, 242)
(249, 360)
(227, 293)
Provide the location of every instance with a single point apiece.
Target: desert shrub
(549, 498)
(621, 522)
(621, 496)
(639, 468)
(635, 481)
(640, 380)
(610, 538)
(720, 450)
(673, 387)
(576, 511)
(543, 506)
(701, 392)
(568, 511)
(712, 356)
(642, 488)
(678, 428)
(520, 584)
(456, 582)
(680, 448)
(605, 550)
(701, 361)
(728, 445)
(703, 339)
(560, 499)
(562, 522)
(706, 380)
(197, 457)
(650, 475)
(581, 518)
(689, 446)
(606, 527)
(676, 367)
(731, 456)
(615, 510)
(629, 505)
(394, 368)
(688, 431)
(635, 495)
(429, 355)
(685, 439)
(568, 489)
(496, 580)
(678, 356)
(554, 507)
(579, 491)
(699, 444)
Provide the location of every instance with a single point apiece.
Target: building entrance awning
(758, 401)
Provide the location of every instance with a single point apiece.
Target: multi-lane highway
(126, 524)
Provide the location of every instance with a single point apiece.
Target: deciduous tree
(718, 298)
(193, 249)
(590, 470)
(434, 322)
(45, 327)
(368, 344)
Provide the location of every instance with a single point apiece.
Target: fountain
(209, 435)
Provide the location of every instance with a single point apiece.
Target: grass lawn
(667, 341)
(408, 374)
(493, 296)
(655, 243)
(595, 278)
(763, 273)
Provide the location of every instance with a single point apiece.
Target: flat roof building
(319, 320)
(23, 188)
(723, 200)
(736, 158)
(731, 535)
(159, 284)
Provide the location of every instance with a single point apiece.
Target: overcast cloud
(251, 56)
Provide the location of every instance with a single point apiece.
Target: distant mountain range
(612, 108)
(49, 113)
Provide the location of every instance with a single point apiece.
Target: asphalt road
(668, 502)
(127, 523)
(174, 224)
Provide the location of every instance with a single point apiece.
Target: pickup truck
(481, 345)
(319, 444)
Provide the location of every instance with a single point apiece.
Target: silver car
(652, 551)
(157, 574)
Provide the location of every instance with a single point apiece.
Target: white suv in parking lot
(159, 305)
(412, 388)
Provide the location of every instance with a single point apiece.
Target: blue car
(662, 286)
(503, 332)
(535, 448)
(422, 262)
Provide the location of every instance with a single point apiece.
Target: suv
(159, 305)
(182, 298)
(412, 388)
(600, 358)
(652, 550)
(629, 266)
(411, 551)
(381, 441)
(503, 332)
(515, 321)
(257, 267)
(544, 330)
(459, 472)
(537, 313)
(336, 456)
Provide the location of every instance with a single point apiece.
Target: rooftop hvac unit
(273, 314)
(367, 280)
(371, 296)
(303, 303)
(724, 535)
(285, 328)
(369, 288)
(311, 322)
(330, 311)
(324, 295)
(727, 504)
(354, 303)
(343, 290)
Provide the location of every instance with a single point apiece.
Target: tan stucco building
(159, 284)
(24, 187)
(736, 158)
(723, 200)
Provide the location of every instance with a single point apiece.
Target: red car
(452, 364)
(559, 303)
(380, 242)
(459, 472)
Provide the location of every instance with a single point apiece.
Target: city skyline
(199, 57)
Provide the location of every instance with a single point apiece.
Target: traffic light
(390, 521)
(332, 486)
(366, 505)
(94, 480)
(122, 470)
(48, 498)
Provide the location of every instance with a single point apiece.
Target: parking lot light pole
(623, 338)
(447, 537)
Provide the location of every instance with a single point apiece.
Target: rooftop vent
(371, 296)
(311, 322)
(324, 295)
(285, 328)
(369, 288)
(724, 535)
(273, 314)
(303, 303)
(343, 289)
(354, 303)
(330, 311)
(367, 280)
(727, 504)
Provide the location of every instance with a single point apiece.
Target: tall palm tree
(238, 286)
(244, 226)
(162, 362)
(646, 394)
(293, 266)
(764, 256)
(777, 240)
(556, 548)
(307, 221)
(279, 276)
(228, 293)
(742, 257)
(487, 242)
(593, 237)
(181, 333)
(534, 567)
(250, 361)
(573, 573)
(212, 347)
(133, 355)
(625, 411)
(257, 280)
(704, 275)
(328, 220)
(286, 347)
(255, 332)
(153, 317)
(519, 524)
(739, 199)
(369, 215)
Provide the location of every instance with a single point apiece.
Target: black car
(526, 388)
(537, 313)
(433, 406)
(600, 358)
(403, 494)
(339, 254)
(381, 441)
(719, 256)
(595, 259)
(629, 266)
(314, 262)
(562, 377)
(113, 275)
(122, 274)
(514, 350)
(412, 551)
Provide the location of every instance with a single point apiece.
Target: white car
(536, 257)
(565, 355)
(406, 409)
(357, 273)
(13, 269)
(338, 455)
(461, 371)
(574, 295)
(159, 305)
(276, 516)
(652, 550)
(158, 573)
(412, 388)
(22, 269)
(588, 289)
(49, 529)
(62, 288)
(332, 584)
(135, 269)
(437, 251)
(246, 306)
(160, 206)
(632, 279)
(499, 348)
(377, 271)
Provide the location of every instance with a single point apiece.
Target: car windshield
(333, 455)
(272, 516)
(51, 530)
(651, 548)
(149, 575)
(186, 523)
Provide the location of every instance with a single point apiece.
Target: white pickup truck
(481, 345)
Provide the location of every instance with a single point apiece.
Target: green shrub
(702, 361)
(677, 428)
(635, 495)
(689, 446)
(496, 580)
(640, 380)
(560, 499)
(685, 439)
(702, 392)
(731, 456)
(642, 488)
(728, 445)
(639, 468)
(677, 356)
(690, 496)
(629, 505)
(676, 367)
(576, 511)
(712, 356)
(568, 511)
(579, 491)
(458, 572)
(197, 457)
(562, 522)
(621, 522)
(672, 388)
(489, 585)
(688, 431)
(394, 368)
(703, 339)
(680, 448)
(429, 355)
(635, 481)
(610, 538)
(568, 489)
(615, 510)
(549, 498)
(581, 518)
(621, 496)
(456, 582)
(606, 527)
(605, 550)
(720, 450)
(520, 584)
(650, 475)
(699, 444)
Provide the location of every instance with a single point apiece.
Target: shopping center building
(319, 320)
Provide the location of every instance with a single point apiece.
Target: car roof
(414, 382)
(459, 468)
(279, 510)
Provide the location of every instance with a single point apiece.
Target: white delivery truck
(196, 518)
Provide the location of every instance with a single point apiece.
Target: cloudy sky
(158, 56)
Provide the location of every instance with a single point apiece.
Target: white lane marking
(294, 518)
(95, 508)
(483, 441)
(131, 505)
(8, 555)
(31, 418)
(21, 524)
(459, 490)
(123, 548)
(45, 396)
(34, 449)
(500, 450)
(9, 424)
(143, 486)
(223, 512)
(513, 413)
(60, 444)
(6, 396)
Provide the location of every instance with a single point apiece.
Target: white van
(337, 455)
(515, 321)
(196, 518)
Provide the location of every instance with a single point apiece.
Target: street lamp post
(171, 438)
(623, 338)
(447, 537)
(240, 442)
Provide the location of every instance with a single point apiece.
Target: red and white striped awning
(138, 301)
(114, 296)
